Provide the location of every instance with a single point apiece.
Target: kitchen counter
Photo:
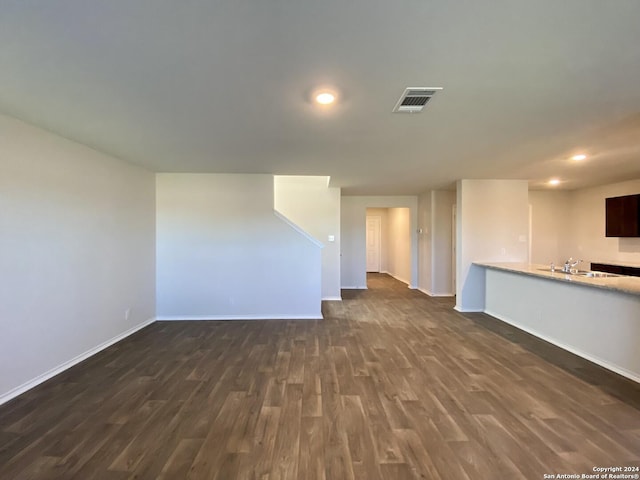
(595, 318)
(623, 284)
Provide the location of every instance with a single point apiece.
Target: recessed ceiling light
(325, 98)
(554, 182)
(579, 157)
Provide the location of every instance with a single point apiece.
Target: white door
(373, 244)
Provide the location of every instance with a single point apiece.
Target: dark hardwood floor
(391, 385)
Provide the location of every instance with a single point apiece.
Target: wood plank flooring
(391, 385)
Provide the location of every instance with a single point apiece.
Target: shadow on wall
(474, 290)
(629, 245)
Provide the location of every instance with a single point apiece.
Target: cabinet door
(623, 216)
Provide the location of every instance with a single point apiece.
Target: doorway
(388, 242)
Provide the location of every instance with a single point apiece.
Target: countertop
(620, 283)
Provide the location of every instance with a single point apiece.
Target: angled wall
(77, 253)
(309, 202)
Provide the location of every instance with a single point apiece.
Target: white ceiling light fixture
(554, 182)
(414, 99)
(325, 98)
(579, 157)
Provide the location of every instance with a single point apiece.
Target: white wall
(77, 250)
(222, 252)
(492, 226)
(399, 238)
(550, 226)
(383, 213)
(352, 226)
(309, 202)
(587, 220)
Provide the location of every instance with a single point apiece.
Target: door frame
(454, 248)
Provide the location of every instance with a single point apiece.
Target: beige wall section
(441, 238)
(492, 226)
(309, 202)
(77, 253)
(572, 224)
(383, 213)
(587, 216)
(400, 244)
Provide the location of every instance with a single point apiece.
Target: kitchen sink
(559, 270)
(581, 273)
(597, 274)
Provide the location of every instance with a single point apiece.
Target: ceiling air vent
(414, 99)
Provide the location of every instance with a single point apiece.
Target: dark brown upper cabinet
(623, 216)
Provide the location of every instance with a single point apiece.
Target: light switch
(332, 238)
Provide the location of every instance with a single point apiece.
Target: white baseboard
(468, 310)
(354, 288)
(603, 363)
(5, 397)
(332, 299)
(400, 279)
(172, 318)
(431, 294)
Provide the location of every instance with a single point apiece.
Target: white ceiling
(223, 86)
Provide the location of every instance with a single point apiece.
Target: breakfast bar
(595, 317)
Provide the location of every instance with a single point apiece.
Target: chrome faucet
(570, 264)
